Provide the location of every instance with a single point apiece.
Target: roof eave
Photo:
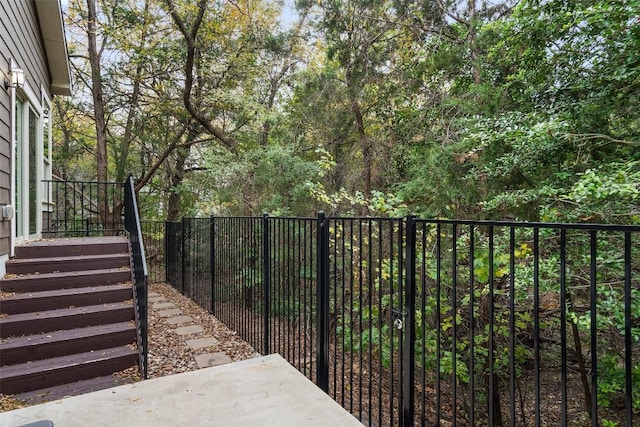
(55, 45)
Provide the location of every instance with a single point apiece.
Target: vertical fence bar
(493, 401)
(380, 319)
(184, 255)
(334, 255)
(536, 322)
(438, 317)
(287, 288)
(360, 321)
(370, 321)
(472, 392)
(343, 231)
(351, 280)
(305, 274)
(322, 297)
(212, 263)
(266, 277)
(512, 327)
(454, 325)
(594, 328)
(408, 404)
(167, 256)
(423, 322)
(300, 283)
(563, 326)
(237, 285)
(627, 331)
(401, 244)
(245, 282)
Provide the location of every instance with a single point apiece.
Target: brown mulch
(168, 353)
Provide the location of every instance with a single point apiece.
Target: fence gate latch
(398, 318)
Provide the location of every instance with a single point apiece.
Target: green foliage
(271, 179)
(453, 109)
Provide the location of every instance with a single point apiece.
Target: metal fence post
(166, 253)
(408, 371)
(212, 262)
(266, 256)
(183, 265)
(322, 302)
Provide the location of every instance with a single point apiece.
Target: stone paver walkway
(188, 328)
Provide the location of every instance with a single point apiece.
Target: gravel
(168, 352)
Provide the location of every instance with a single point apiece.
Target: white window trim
(29, 97)
(47, 203)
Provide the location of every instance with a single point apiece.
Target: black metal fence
(153, 233)
(89, 208)
(82, 208)
(431, 322)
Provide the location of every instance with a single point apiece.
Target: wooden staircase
(66, 318)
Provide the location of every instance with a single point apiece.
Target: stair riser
(65, 347)
(35, 326)
(79, 264)
(64, 301)
(36, 284)
(34, 381)
(71, 250)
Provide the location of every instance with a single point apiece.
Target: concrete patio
(264, 391)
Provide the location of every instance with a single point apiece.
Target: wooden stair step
(65, 369)
(35, 397)
(73, 247)
(65, 280)
(60, 343)
(71, 263)
(66, 318)
(63, 298)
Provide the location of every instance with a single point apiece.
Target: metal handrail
(139, 266)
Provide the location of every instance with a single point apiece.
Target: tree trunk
(129, 136)
(176, 177)
(473, 46)
(365, 147)
(98, 109)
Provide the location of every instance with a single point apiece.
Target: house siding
(21, 41)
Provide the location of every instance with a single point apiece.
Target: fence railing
(431, 322)
(82, 208)
(153, 233)
(139, 269)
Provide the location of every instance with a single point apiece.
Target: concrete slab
(201, 343)
(153, 294)
(265, 391)
(159, 298)
(180, 319)
(162, 305)
(170, 312)
(188, 330)
(212, 359)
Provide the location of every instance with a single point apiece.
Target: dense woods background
(469, 109)
(458, 109)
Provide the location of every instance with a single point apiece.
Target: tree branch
(589, 136)
(190, 38)
(172, 146)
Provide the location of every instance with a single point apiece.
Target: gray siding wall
(22, 41)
